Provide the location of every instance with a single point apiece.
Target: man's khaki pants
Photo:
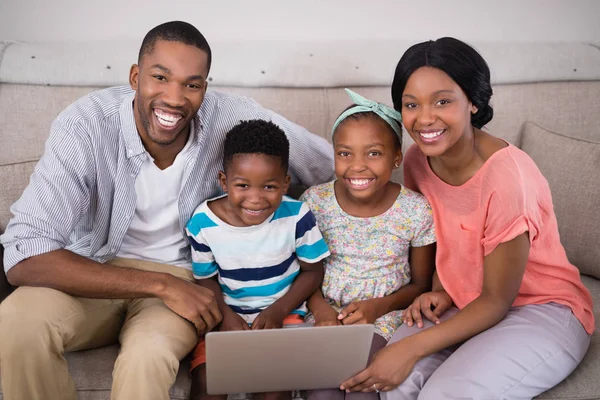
(37, 325)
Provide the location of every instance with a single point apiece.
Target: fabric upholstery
(26, 112)
(571, 167)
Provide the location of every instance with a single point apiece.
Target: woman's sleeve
(508, 214)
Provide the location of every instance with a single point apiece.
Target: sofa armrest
(5, 287)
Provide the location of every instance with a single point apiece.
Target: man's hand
(270, 318)
(360, 312)
(233, 322)
(193, 302)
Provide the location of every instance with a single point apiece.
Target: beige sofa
(546, 100)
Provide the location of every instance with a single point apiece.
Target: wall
(224, 20)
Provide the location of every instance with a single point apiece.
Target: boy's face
(255, 184)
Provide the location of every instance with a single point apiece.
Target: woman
(508, 316)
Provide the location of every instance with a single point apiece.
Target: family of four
(158, 212)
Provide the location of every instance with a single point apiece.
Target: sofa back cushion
(571, 167)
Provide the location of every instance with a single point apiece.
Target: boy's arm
(306, 283)
(231, 320)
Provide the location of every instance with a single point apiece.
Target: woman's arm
(503, 271)
(503, 268)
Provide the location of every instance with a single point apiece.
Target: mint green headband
(388, 114)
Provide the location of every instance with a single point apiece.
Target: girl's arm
(422, 266)
(422, 262)
(323, 312)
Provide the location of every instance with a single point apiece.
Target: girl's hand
(270, 318)
(327, 316)
(360, 312)
(430, 304)
(389, 367)
(233, 322)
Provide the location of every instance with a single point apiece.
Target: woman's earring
(396, 165)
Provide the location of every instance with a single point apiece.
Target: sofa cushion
(571, 167)
(14, 178)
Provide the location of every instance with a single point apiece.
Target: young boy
(259, 251)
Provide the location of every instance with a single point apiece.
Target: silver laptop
(293, 358)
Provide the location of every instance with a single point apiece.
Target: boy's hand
(359, 312)
(270, 318)
(233, 322)
(326, 316)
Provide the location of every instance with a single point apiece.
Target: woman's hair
(460, 62)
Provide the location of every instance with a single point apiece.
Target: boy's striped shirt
(256, 265)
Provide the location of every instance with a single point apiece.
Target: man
(97, 241)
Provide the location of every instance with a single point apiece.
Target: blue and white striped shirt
(81, 195)
(256, 265)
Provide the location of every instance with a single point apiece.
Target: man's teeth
(360, 182)
(431, 135)
(165, 119)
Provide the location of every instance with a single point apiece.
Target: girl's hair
(369, 114)
(460, 62)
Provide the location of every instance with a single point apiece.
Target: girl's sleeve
(203, 260)
(425, 230)
(310, 245)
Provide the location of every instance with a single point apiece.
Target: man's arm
(79, 276)
(311, 156)
(55, 200)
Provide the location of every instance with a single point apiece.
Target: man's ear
(286, 183)
(134, 73)
(223, 181)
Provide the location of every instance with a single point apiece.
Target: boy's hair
(460, 62)
(175, 31)
(256, 137)
(369, 114)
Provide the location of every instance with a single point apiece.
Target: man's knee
(150, 351)
(25, 329)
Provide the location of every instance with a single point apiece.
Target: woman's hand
(389, 367)
(327, 316)
(430, 304)
(360, 312)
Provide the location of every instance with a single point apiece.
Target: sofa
(546, 101)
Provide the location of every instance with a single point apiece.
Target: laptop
(293, 358)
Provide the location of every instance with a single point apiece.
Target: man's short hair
(175, 31)
(256, 137)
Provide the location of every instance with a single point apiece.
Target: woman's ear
(474, 109)
(223, 181)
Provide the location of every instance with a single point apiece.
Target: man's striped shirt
(81, 195)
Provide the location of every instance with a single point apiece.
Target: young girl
(523, 318)
(380, 234)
